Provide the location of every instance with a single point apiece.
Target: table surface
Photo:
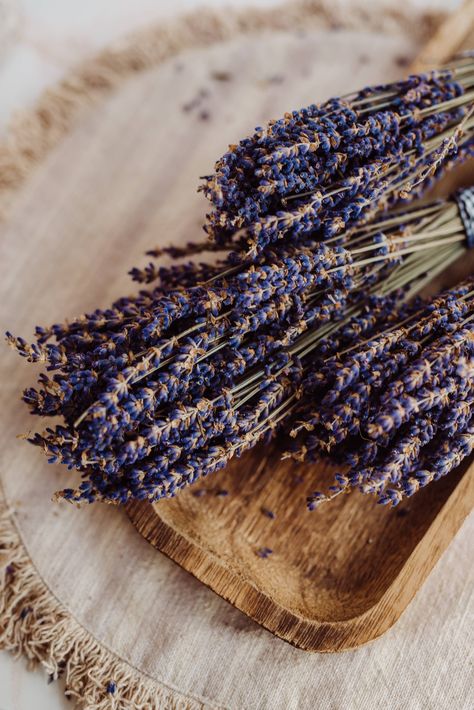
(39, 42)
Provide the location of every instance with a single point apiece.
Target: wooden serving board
(335, 578)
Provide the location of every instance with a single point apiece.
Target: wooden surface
(456, 33)
(338, 577)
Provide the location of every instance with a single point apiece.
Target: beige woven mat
(122, 142)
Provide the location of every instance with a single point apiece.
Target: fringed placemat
(112, 156)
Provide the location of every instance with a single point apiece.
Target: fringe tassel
(35, 625)
(35, 132)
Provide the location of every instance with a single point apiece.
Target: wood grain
(455, 34)
(336, 578)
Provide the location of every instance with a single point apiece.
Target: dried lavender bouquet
(324, 168)
(166, 387)
(397, 409)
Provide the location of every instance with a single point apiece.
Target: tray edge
(312, 634)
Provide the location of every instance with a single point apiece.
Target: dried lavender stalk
(162, 389)
(159, 390)
(396, 410)
(320, 170)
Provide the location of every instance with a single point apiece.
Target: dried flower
(162, 389)
(321, 170)
(411, 422)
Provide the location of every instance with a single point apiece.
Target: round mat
(117, 151)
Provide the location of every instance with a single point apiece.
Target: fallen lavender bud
(264, 552)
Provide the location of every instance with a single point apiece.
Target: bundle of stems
(395, 409)
(168, 386)
(318, 171)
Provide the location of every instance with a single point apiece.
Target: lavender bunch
(396, 409)
(315, 173)
(159, 390)
(136, 449)
(168, 386)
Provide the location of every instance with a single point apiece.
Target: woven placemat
(105, 166)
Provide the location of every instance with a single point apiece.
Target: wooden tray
(338, 577)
